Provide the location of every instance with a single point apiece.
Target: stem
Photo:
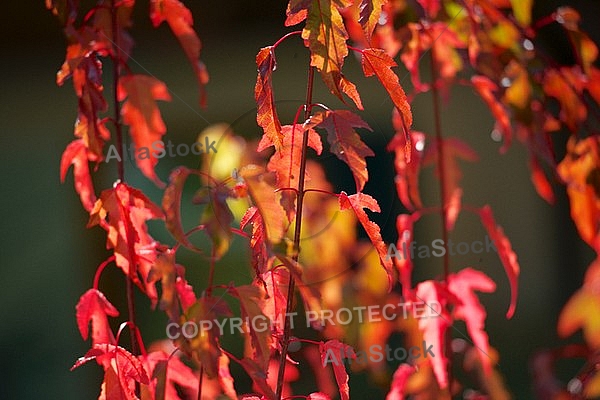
(121, 172)
(442, 178)
(299, 202)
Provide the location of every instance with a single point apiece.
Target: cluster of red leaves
(464, 36)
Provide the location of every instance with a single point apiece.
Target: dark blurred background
(48, 257)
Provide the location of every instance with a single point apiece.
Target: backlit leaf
(580, 170)
(286, 163)
(468, 308)
(370, 11)
(357, 202)
(377, 62)
(434, 329)
(95, 308)
(140, 112)
(345, 142)
(76, 154)
(334, 352)
(180, 20)
(266, 116)
(326, 37)
(506, 254)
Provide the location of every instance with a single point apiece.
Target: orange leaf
(141, 113)
(262, 192)
(180, 20)
(266, 116)
(580, 170)
(326, 37)
(370, 11)
(583, 309)
(377, 62)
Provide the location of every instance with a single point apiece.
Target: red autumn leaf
(487, 90)
(345, 142)
(76, 154)
(468, 308)
(286, 163)
(127, 365)
(434, 329)
(334, 352)
(185, 292)
(141, 113)
(506, 254)
(370, 11)
(83, 66)
(296, 11)
(258, 242)
(95, 308)
(171, 204)
(171, 375)
(180, 20)
(358, 202)
(266, 116)
(404, 264)
(123, 212)
(377, 62)
(407, 172)
(252, 299)
(326, 37)
(399, 380)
